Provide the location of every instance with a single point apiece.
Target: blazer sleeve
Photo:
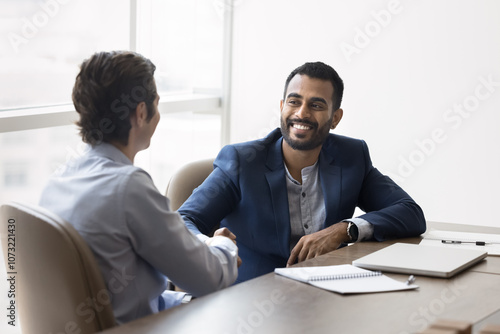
(216, 197)
(391, 211)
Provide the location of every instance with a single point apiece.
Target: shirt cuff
(223, 243)
(227, 252)
(201, 237)
(365, 229)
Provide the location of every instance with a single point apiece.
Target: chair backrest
(59, 287)
(184, 181)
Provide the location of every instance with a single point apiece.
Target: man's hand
(224, 232)
(321, 242)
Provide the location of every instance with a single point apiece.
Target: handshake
(224, 232)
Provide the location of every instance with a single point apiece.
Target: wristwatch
(352, 231)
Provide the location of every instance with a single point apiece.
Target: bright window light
(43, 43)
(46, 41)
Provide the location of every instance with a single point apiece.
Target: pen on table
(477, 243)
(410, 280)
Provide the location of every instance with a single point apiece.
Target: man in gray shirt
(136, 238)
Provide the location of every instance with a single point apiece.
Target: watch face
(353, 231)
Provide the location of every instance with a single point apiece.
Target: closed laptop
(421, 260)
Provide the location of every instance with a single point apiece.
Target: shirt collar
(110, 151)
(305, 172)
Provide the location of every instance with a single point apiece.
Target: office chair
(184, 181)
(58, 285)
(182, 184)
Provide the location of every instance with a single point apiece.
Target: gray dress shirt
(306, 206)
(137, 240)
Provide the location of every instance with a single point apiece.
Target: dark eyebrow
(318, 99)
(294, 95)
(313, 99)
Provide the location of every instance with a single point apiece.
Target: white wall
(407, 74)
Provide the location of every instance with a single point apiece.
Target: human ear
(141, 113)
(337, 116)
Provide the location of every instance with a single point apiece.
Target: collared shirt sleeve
(365, 229)
(160, 237)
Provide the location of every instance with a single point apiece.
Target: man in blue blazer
(291, 196)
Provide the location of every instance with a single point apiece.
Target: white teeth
(301, 127)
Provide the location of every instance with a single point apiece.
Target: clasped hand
(225, 232)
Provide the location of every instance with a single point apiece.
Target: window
(179, 138)
(48, 39)
(184, 40)
(15, 174)
(29, 157)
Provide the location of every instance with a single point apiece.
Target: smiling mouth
(302, 125)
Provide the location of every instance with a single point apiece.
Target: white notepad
(421, 260)
(344, 279)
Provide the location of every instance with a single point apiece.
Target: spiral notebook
(344, 279)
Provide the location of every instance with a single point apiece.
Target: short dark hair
(107, 91)
(319, 70)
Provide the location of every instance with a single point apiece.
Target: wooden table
(274, 304)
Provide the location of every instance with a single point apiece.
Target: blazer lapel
(330, 177)
(279, 196)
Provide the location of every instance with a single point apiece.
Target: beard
(317, 139)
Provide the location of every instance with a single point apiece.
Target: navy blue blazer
(247, 193)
